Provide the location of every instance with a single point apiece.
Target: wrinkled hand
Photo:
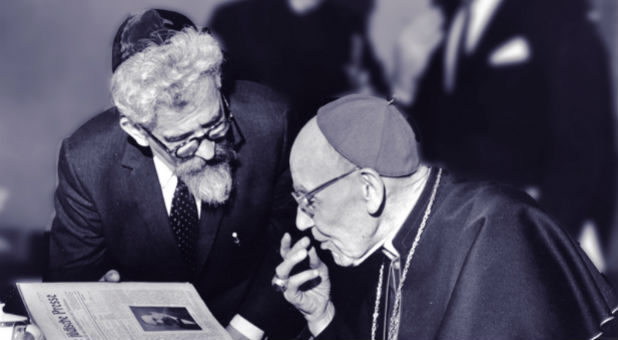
(112, 275)
(313, 303)
(415, 45)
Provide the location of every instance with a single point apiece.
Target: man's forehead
(307, 148)
(177, 120)
(306, 171)
(312, 159)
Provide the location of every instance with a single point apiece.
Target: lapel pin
(235, 238)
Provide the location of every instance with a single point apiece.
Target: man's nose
(303, 221)
(206, 150)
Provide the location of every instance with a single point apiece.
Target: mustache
(224, 153)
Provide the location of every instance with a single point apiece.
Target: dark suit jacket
(489, 265)
(546, 122)
(110, 212)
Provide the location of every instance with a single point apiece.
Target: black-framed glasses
(305, 200)
(188, 148)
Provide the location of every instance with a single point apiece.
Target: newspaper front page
(125, 310)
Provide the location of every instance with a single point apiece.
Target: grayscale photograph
(310, 169)
(156, 319)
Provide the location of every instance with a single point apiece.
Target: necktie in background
(184, 221)
(455, 45)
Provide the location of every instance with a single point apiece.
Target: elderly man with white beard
(185, 179)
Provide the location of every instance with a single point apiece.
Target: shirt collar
(387, 248)
(387, 245)
(164, 173)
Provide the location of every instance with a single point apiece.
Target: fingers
(314, 296)
(303, 243)
(292, 257)
(286, 241)
(299, 279)
(284, 268)
(112, 275)
(314, 260)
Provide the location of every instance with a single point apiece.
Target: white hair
(211, 184)
(181, 71)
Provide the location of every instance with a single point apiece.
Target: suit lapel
(211, 217)
(210, 221)
(144, 191)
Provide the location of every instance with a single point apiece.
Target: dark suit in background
(110, 213)
(306, 57)
(545, 122)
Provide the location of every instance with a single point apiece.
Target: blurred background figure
(309, 50)
(403, 36)
(514, 91)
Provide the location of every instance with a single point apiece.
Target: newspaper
(125, 310)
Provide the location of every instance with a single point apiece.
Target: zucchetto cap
(143, 29)
(371, 133)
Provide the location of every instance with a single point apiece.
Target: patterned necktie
(183, 219)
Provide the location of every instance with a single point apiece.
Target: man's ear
(374, 191)
(134, 131)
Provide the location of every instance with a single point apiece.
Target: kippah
(371, 133)
(143, 29)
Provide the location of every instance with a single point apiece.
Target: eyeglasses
(305, 200)
(188, 148)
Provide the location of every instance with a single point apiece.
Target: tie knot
(181, 186)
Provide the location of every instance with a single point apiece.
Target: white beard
(210, 183)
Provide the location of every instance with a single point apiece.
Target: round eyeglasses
(188, 148)
(305, 200)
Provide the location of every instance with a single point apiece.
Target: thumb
(314, 259)
(112, 275)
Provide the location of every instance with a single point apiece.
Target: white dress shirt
(168, 182)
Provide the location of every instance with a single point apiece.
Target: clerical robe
(490, 264)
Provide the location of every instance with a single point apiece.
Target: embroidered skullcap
(371, 133)
(143, 29)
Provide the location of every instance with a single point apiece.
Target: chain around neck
(393, 328)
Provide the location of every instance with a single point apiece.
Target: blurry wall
(55, 58)
(55, 64)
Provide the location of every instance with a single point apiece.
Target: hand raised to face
(314, 303)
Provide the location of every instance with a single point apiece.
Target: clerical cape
(490, 264)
